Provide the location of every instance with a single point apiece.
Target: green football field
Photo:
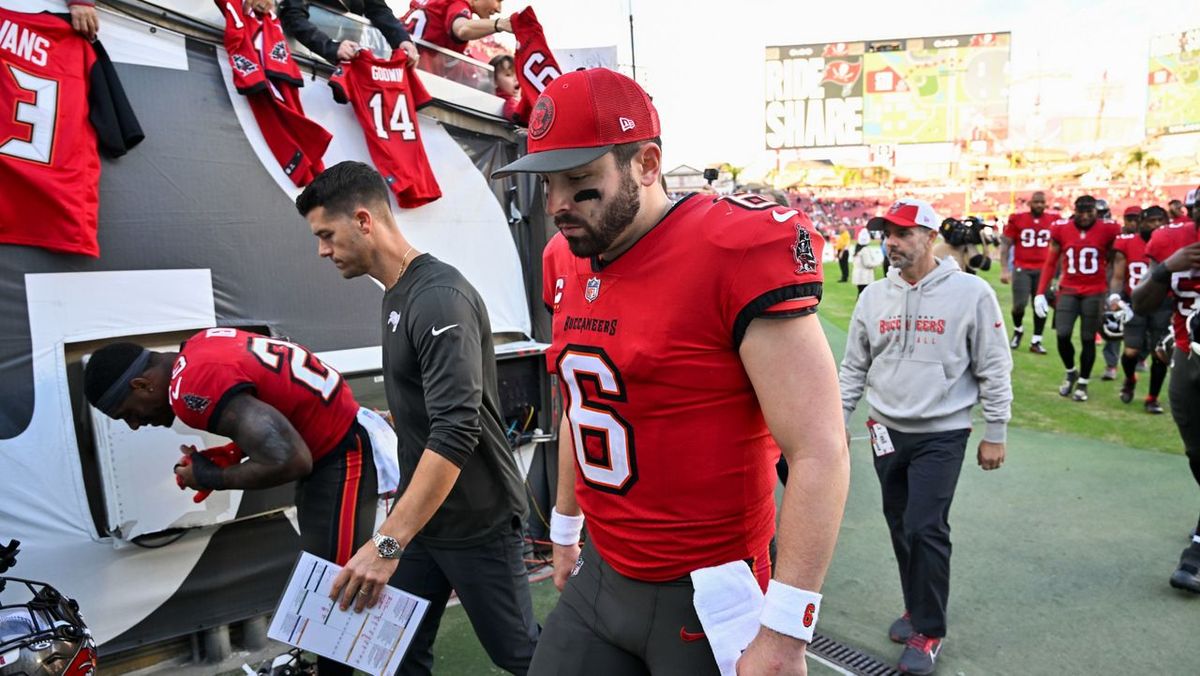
(1061, 558)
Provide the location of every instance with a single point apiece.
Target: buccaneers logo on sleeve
(802, 252)
(195, 402)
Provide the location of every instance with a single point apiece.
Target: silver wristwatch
(388, 547)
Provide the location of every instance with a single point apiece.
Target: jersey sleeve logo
(802, 252)
(280, 52)
(243, 65)
(196, 403)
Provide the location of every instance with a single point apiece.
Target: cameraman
(1027, 234)
(965, 242)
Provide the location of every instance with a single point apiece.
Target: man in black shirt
(457, 523)
(293, 15)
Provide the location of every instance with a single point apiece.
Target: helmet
(45, 635)
(1102, 210)
(1113, 327)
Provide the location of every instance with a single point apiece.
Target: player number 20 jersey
(216, 364)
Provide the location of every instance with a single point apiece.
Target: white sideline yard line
(829, 665)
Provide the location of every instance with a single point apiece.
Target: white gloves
(1040, 307)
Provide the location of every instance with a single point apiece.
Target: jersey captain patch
(802, 251)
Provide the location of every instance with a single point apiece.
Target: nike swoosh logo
(437, 332)
(784, 217)
(999, 324)
(175, 390)
(689, 637)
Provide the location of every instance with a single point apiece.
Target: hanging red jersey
(216, 364)
(1185, 286)
(60, 103)
(534, 63)
(1083, 253)
(433, 21)
(1030, 237)
(266, 73)
(1133, 248)
(385, 96)
(646, 348)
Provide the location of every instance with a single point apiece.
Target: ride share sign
(898, 92)
(814, 96)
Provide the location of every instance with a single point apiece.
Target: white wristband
(565, 530)
(790, 611)
(1114, 298)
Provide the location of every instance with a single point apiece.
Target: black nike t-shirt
(439, 369)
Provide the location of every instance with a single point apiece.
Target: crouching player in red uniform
(686, 340)
(293, 417)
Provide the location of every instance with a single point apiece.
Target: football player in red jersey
(685, 339)
(1141, 333)
(1028, 235)
(290, 415)
(1084, 243)
(1174, 255)
(1178, 213)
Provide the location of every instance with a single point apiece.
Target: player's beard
(616, 217)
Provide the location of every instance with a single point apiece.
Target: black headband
(116, 393)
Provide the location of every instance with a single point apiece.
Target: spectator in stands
(841, 247)
(504, 78)
(293, 16)
(448, 24)
(83, 17)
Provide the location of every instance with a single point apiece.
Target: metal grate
(851, 659)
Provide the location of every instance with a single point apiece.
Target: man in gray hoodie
(926, 344)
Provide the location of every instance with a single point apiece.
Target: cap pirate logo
(592, 292)
(195, 402)
(243, 65)
(802, 252)
(541, 118)
(280, 52)
(626, 123)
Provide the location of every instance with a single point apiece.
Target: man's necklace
(403, 266)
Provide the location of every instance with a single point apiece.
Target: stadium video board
(1173, 102)
(912, 90)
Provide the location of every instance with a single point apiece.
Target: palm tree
(1142, 161)
(732, 170)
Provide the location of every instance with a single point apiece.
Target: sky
(703, 61)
